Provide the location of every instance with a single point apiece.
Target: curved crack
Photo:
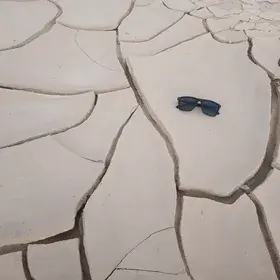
(94, 61)
(206, 8)
(43, 92)
(145, 5)
(85, 28)
(176, 10)
(126, 14)
(205, 25)
(102, 28)
(111, 90)
(55, 93)
(43, 31)
(255, 61)
(214, 35)
(131, 250)
(157, 34)
(107, 163)
(175, 44)
(73, 152)
(179, 43)
(29, 139)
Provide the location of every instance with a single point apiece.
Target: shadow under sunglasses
(208, 107)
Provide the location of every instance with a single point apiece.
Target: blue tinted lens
(210, 108)
(186, 103)
(185, 106)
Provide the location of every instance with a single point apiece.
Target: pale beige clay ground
(101, 177)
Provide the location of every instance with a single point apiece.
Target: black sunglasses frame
(198, 102)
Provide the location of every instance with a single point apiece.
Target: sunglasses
(208, 107)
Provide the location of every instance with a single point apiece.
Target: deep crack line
(43, 31)
(25, 265)
(169, 144)
(254, 60)
(126, 14)
(18, 247)
(147, 112)
(266, 166)
(79, 221)
(55, 132)
(225, 199)
(267, 235)
(177, 226)
(85, 269)
(83, 201)
(11, 248)
(63, 236)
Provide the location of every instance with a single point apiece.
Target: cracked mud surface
(101, 177)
